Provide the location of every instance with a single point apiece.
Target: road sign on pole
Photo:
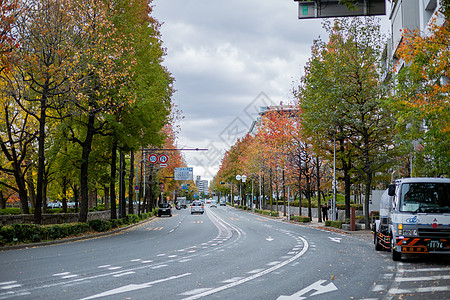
(163, 159)
(184, 174)
(153, 158)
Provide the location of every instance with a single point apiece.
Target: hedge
(31, 233)
(301, 219)
(335, 224)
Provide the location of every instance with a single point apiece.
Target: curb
(74, 239)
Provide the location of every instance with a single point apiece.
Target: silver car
(197, 207)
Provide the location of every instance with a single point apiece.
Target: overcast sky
(229, 58)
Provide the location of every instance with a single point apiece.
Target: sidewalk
(321, 225)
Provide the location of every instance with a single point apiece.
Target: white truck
(181, 201)
(414, 217)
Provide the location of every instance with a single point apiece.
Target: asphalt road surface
(222, 254)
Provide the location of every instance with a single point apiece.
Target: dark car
(164, 209)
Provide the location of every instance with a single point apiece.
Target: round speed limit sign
(153, 158)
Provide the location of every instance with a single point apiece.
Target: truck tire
(396, 256)
(378, 246)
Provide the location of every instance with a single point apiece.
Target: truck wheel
(378, 246)
(396, 256)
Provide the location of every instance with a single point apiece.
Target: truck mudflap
(423, 245)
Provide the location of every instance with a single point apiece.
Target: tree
(421, 101)
(342, 97)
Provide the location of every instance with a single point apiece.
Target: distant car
(197, 207)
(164, 209)
(223, 203)
(213, 204)
(54, 205)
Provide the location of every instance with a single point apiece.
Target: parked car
(164, 209)
(56, 204)
(197, 207)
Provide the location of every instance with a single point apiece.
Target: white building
(202, 185)
(406, 14)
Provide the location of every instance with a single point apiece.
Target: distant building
(282, 109)
(202, 185)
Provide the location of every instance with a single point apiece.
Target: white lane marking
(114, 268)
(172, 230)
(424, 278)
(428, 270)
(160, 266)
(337, 240)
(378, 288)
(255, 271)
(185, 260)
(104, 266)
(172, 256)
(269, 239)
(134, 287)
(316, 286)
(137, 259)
(11, 286)
(7, 282)
(232, 280)
(162, 254)
(193, 292)
(69, 276)
(243, 280)
(61, 274)
(420, 290)
(146, 261)
(124, 274)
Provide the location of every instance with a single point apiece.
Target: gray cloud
(223, 54)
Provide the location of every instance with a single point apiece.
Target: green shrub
(132, 218)
(274, 214)
(10, 211)
(100, 225)
(335, 224)
(301, 219)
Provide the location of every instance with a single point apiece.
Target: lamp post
(240, 178)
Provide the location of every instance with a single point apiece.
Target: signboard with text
(184, 174)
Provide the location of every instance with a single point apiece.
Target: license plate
(435, 244)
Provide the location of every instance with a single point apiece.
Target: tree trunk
(366, 199)
(319, 204)
(30, 185)
(106, 190)
(2, 200)
(64, 194)
(41, 158)
(84, 170)
(130, 184)
(284, 194)
(122, 183)
(113, 180)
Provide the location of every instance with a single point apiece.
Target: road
(222, 254)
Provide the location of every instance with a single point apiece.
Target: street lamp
(240, 178)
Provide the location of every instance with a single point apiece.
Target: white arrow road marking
(337, 240)
(317, 286)
(254, 276)
(269, 238)
(134, 287)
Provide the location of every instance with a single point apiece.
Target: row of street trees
(345, 105)
(80, 81)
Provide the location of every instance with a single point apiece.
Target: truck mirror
(391, 191)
